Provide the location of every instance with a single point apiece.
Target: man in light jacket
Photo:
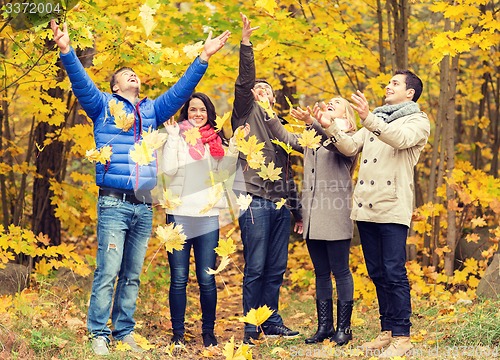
(391, 141)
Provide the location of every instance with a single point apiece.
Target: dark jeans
(384, 248)
(203, 237)
(331, 257)
(265, 232)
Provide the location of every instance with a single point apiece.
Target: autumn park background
(309, 50)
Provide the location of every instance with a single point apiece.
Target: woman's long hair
(211, 114)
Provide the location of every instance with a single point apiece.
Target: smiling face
(197, 112)
(336, 107)
(396, 91)
(126, 80)
(266, 90)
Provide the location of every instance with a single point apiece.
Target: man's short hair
(412, 82)
(112, 82)
(257, 81)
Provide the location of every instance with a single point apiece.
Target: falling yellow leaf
(146, 12)
(267, 107)
(192, 135)
(192, 51)
(170, 201)
(171, 236)
(220, 121)
(270, 172)
(257, 316)
(244, 201)
(250, 146)
(289, 102)
(102, 155)
(223, 263)
(280, 203)
(124, 121)
(225, 247)
(153, 138)
(141, 153)
(215, 194)
(309, 139)
(256, 160)
(288, 149)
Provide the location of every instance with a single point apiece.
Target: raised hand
(320, 113)
(211, 46)
(302, 115)
(61, 37)
(361, 106)
(243, 128)
(172, 127)
(247, 30)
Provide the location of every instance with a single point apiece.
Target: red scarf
(208, 136)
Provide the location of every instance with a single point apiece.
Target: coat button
(365, 161)
(361, 182)
(372, 182)
(312, 170)
(370, 206)
(374, 160)
(313, 152)
(360, 205)
(388, 182)
(371, 139)
(311, 188)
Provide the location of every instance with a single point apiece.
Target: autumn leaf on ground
(141, 153)
(244, 201)
(154, 139)
(121, 346)
(192, 135)
(142, 342)
(288, 149)
(270, 172)
(170, 201)
(267, 5)
(171, 236)
(257, 316)
(232, 353)
(220, 121)
(102, 155)
(256, 160)
(280, 203)
(223, 263)
(225, 247)
(309, 139)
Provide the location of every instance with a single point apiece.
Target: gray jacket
(326, 188)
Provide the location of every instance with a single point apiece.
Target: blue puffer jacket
(121, 172)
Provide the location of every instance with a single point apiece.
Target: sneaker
(400, 345)
(100, 345)
(129, 339)
(209, 339)
(249, 336)
(381, 341)
(279, 330)
(178, 340)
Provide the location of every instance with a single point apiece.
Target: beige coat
(384, 192)
(326, 188)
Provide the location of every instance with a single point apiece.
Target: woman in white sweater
(197, 161)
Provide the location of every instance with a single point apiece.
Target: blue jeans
(384, 249)
(203, 237)
(265, 232)
(123, 231)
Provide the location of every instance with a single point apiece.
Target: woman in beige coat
(326, 206)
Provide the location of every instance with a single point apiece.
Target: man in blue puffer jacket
(124, 206)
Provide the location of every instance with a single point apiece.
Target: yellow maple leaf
(479, 221)
(223, 263)
(270, 172)
(153, 138)
(221, 120)
(288, 149)
(141, 153)
(267, 5)
(102, 155)
(121, 346)
(167, 77)
(170, 201)
(43, 268)
(256, 159)
(267, 107)
(232, 353)
(250, 146)
(171, 236)
(472, 238)
(257, 316)
(225, 247)
(280, 203)
(309, 139)
(142, 342)
(192, 51)
(192, 135)
(146, 12)
(124, 121)
(244, 201)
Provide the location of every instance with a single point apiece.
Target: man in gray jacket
(391, 140)
(265, 228)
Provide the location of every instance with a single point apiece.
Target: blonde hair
(349, 114)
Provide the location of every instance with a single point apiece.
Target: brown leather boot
(400, 345)
(382, 340)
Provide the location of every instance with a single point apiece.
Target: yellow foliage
(309, 139)
(257, 316)
(270, 172)
(225, 247)
(232, 353)
(142, 154)
(171, 236)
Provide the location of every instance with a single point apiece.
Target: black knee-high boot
(343, 334)
(325, 322)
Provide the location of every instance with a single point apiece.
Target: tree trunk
(400, 10)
